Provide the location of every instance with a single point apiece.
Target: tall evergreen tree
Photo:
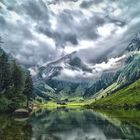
(28, 88)
(4, 70)
(18, 77)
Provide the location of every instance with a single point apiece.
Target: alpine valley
(51, 81)
(69, 69)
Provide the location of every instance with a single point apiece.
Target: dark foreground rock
(21, 113)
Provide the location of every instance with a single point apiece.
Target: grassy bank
(128, 97)
(53, 105)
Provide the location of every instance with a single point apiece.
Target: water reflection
(64, 124)
(12, 129)
(72, 124)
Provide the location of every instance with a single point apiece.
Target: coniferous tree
(28, 88)
(18, 77)
(4, 70)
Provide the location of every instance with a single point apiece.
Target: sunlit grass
(129, 96)
(52, 104)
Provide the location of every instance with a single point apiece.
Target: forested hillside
(15, 84)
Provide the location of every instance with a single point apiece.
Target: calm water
(72, 124)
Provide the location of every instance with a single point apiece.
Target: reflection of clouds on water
(76, 134)
(72, 125)
(80, 134)
(63, 124)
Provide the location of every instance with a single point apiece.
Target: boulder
(21, 113)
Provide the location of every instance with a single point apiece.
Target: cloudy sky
(39, 31)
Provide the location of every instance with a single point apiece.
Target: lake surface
(72, 124)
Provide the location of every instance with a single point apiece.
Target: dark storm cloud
(36, 32)
(89, 3)
(69, 30)
(85, 28)
(59, 37)
(116, 21)
(60, 1)
(36, 10)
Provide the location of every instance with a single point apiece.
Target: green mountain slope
(126, 97)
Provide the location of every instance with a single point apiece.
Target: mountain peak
(134, 45)
(138, 35)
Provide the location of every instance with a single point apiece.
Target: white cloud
(83, 44)
(15, 17)
(106, 30)
(113, 63)
(78, 75)
(42, 38)
(33, 71)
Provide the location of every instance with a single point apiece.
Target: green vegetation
(54, 104)
(15, 84)
(28, 89)
(128, 97)
(102, 93)
(118, 117)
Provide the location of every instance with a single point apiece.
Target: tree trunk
(27, 102)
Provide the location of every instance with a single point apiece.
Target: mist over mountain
(69, 77)
(73, 48)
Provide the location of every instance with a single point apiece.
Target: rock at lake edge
(21, 113)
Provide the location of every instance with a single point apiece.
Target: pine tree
(18, 78)
(4, 70)
(28, 88)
